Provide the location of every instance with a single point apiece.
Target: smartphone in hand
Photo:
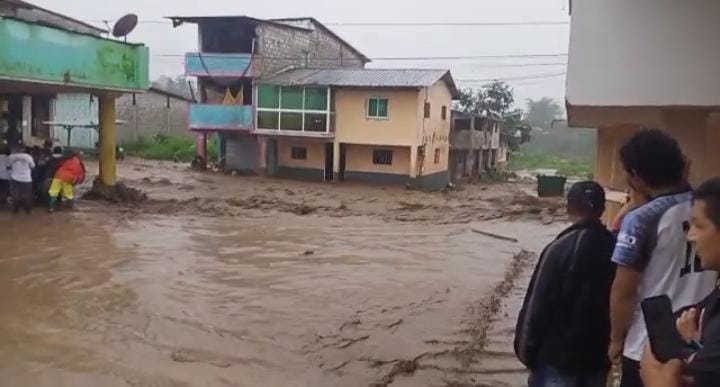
(665, 341)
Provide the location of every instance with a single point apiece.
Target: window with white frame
(378, 107)
(304, 109)
(298, 153)
(382, 157)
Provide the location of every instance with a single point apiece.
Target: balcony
(218, 65)
(37, 54)
(221, 117)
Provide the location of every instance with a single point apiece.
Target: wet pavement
(242, 296)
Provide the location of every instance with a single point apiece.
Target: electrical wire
(399, 24)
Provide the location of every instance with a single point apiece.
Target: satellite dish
(125, 25)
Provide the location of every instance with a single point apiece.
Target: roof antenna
(125, 26)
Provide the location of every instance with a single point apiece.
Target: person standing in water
(21, 185)
(70, 172)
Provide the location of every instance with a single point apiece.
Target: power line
(519, 78)
(408, 58)
(399, 24)
(474, 65)
(450, 24)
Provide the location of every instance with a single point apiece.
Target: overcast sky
(415, 41)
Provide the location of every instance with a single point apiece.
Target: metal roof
(32, 13)
(178, 20)
(390, 78)
(155, 88)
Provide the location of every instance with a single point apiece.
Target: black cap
(587, 195)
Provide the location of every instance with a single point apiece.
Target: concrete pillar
(108, 135)
(201, 147)
(262, 155)
(336, 158)
(26, 122)
(222, 147)
(413, 161)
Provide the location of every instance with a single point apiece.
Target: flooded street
(242, 281)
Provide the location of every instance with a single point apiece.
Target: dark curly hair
(655, 157)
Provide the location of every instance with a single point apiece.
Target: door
(271, 156)
(343, 156)
(329, 160)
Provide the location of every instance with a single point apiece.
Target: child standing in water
(21, 187)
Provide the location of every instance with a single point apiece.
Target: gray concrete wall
(280, 48)
(150, 116)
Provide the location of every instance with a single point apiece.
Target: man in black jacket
(563, 329)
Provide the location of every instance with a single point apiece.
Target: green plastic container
(551, 185)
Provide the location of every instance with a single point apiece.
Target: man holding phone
(653, 254)
(699, 325)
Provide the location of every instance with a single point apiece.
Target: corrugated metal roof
(32, 13)
(400, 78)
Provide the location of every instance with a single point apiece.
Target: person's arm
(537, 304)
(84, 173)
(623, 301)
(631, 255)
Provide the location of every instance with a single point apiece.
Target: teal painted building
(45, 55)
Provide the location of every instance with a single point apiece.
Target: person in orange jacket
(70, 172)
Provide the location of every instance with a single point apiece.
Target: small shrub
(164, 147)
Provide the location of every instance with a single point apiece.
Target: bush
(164, 147)
(564, 166)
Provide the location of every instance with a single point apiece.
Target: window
(268, 96)
(291, 121)
(315, 122)
(443, 113)
(377, 108)
(268, 120)
(316, 99)
(291, 98)
(382, 157)
(293, 108)
(437, 156)
(427, 109)
(298, 153)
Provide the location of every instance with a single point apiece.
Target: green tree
(496, 99)
(541, 113)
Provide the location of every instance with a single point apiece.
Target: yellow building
(385, 126)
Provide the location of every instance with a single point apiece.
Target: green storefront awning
(38, 54)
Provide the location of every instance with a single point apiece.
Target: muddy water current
(94, 299)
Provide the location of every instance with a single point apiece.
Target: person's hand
(615, 351)
(688, 325)
(656, 374)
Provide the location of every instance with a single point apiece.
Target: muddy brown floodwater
(242, 281)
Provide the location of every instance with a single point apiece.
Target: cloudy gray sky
(530, 81)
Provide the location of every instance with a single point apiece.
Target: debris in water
(496, 236)
(118, 194)
(308, 252)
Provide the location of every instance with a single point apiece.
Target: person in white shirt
(21, 188)
(4, 175)
(653, 253)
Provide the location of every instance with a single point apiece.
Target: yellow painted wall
(315, 153)
(435, 132)
(354, 127)
(360, 159)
